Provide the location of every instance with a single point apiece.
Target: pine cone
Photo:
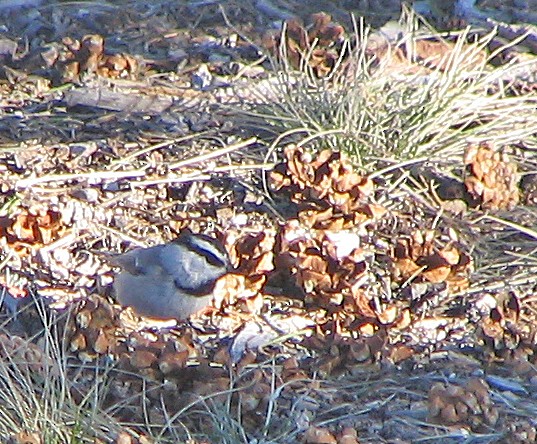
(317, 45)
(427, 256)
(470, 405)
(491, 179)
(93, 332)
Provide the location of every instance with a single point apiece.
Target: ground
(371, 176)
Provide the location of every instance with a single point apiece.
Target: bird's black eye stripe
(212, 257)
(206, 247)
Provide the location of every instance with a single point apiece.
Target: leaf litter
(362, 307)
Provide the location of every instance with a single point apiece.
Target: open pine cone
(491, 180)
(470, 405)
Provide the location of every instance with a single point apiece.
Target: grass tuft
(374, 110)
(35, 389)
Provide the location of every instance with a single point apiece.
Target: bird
(172, 280)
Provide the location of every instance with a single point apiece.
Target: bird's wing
(140, 261)
(189, 270)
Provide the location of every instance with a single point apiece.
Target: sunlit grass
(35, 389)
(374, 110)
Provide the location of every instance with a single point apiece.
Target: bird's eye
(207, 247)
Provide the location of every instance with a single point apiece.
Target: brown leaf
(172, 361)
(360, 351)
(318, 435)
(363, 302)
(406, 267)
(437, 275)
(450, 254)
(101, 344)
(400, 353)
(348, 435)
(142, 359)
(388, 316)
(27, 438)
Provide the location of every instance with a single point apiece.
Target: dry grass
(387, 123)
(378, 113)
(35, 389)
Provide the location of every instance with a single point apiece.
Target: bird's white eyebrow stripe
(205, 246)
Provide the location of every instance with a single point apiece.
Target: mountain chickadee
(170, 281)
